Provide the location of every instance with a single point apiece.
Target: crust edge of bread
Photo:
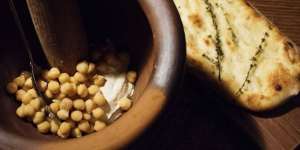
(254, 102)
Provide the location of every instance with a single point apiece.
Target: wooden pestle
(60, 31)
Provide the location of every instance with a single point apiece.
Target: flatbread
(241, 50)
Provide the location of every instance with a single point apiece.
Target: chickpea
(84, 126)
(66, 88)
(99, 80)
(87, 116)
(73, 80)
(49, 94)
(56, 101)
(64, 77)
(76, 116)
(33, 93)
(76, 133)
(79, 104)
(26, 74)
(91, 68)
(19, 94)
(54, 127)
(131, 76)
(74, 90)
(64, 136)
(124, 103)
(45, 75)
(69, 89)
(28, 110)
(99, 99)
(82, 67)
(12, 87)
(53, 86)
(79, 77)
(54, 107)
(61, 96)
(66, 104)
(99, 125)
(98, 113)
(89, 105)
(43, 109)
(39, 117)
(64, 130)
(71, 122)
(82, 90)
(63, 114)
(44, 127)
(36, 103)
(26, 98)
(53, 73)
(20, 81)
(43, 85)
(93, 89)
(28, 83)
(20, 111)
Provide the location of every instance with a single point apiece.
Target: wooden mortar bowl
(157, 46)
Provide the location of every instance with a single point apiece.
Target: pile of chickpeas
(77, 101)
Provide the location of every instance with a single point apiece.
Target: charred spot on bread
(278, 87)
(196, 20)
(207, 42)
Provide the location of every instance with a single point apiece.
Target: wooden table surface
(197, 118)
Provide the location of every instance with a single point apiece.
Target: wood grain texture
(283, 13)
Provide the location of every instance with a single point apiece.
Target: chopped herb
(233, 35)
(253, 64)
(209, 59)
(270, 27)
(218, 43)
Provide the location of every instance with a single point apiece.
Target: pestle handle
(60, 31)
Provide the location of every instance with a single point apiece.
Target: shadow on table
(193, 119)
